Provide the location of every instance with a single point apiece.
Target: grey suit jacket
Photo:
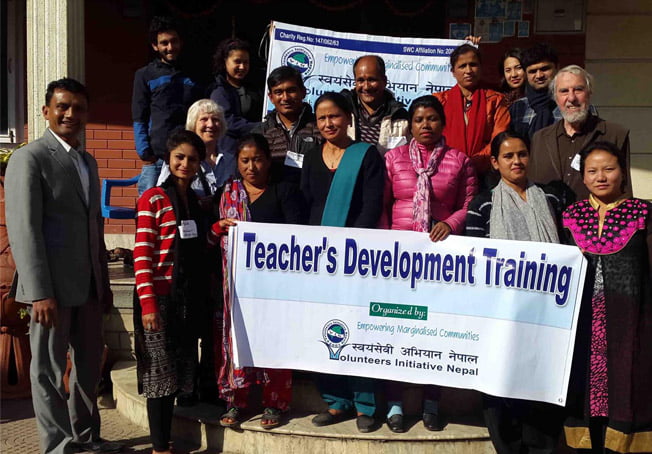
(56, 238)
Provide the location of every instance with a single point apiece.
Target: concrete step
(200, 425)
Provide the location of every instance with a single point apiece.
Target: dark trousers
(342, 392)
(394, 391)
(159, 415)
(520, 426)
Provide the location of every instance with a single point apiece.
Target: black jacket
(161, 98)
(306, 136)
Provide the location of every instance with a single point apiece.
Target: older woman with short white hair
(206, 119)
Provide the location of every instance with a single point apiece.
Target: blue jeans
(149, 175)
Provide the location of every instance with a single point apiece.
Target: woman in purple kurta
(610, 392)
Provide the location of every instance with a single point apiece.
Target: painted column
(55, 49)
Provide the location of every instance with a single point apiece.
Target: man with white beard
(555, 149)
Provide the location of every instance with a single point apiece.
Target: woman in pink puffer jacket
(428, 188)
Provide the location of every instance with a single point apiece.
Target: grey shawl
(513, 218)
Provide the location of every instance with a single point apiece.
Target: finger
(53, 318)
(45, 319)
(36, 316)
(437, 233)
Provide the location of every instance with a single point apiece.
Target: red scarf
(466, 138)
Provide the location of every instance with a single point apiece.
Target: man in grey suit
(56, 235)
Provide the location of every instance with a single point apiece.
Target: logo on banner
(335, 334)
(300, 59)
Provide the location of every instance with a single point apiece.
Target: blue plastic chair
(113, 212)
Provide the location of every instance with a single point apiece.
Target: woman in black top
(343, 182)
(322, 163)
(252, 198)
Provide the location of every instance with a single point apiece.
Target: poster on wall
(509, 28)
(489, 8)
(459, 30)
(513, 11)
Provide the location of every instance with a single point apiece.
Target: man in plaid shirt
(536, 109)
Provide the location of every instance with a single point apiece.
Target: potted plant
(15, 354)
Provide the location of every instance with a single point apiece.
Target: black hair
(427, 101)
(538, 53)
(162, 24)
(464, 49)
(283, 74)
(182, 136)
(336, 98)
(503, 136)
(610, 148)
(223, 50)
(255, 140)
(67, 84)
(512, 53)
(379, 62)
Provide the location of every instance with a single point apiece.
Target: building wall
(111, 59)
(618, 54)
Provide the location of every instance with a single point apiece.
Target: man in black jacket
(161, 97)
(290, 128)
(378, 118)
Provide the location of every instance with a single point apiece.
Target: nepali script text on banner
(414, 66)
(492, 315)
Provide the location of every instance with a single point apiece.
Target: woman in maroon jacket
(428, 188)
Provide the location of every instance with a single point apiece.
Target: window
(12, 71)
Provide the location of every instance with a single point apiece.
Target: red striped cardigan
(156, 228)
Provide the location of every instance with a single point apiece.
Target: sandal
(271, 418)
(233, 414)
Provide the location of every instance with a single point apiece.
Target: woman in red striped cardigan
(170, 285)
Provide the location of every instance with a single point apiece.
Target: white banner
(492, 315)
(414, 66)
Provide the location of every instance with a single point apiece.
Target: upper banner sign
(493, 315)
(415, 67)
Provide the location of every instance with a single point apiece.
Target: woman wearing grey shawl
(517, 209)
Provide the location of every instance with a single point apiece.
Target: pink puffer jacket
(454, 185)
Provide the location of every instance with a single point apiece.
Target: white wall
(619, 55)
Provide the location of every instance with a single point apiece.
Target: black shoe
(326, 418)
(365, 423)
(186, 400)
(433, 422)
(395, 423)
(100, 445)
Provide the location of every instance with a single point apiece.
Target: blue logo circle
(335, 332)
(300, 59)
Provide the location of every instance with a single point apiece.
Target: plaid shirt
(522, 115)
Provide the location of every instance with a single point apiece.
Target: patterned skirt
(165, 364)
(598, 383)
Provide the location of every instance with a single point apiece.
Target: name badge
(188, 229)
(293, 159)
(575, 163)
(395, 141)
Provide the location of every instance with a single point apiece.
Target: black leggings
(597, 430)
(159, 414)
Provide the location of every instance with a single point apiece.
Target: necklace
(335, 156)
(252, 191)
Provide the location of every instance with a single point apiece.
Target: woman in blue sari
(342, 182)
